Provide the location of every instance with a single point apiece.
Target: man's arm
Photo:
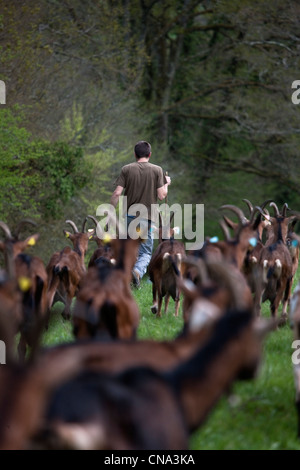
(116, 195)
(163, 190)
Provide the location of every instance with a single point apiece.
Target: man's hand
(168, 179)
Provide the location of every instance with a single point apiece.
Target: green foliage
(63, 172)
(37, 177)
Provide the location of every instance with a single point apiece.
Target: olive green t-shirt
(141, 181)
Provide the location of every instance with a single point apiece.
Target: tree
(37, 177)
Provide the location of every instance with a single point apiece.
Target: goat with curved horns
(276, 264)
(32, 278)
(66, 268)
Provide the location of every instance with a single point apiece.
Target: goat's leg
(177, 305)
(160, 299)
(275, 304)
(51, 292)
(286, 298)
(297, 398)
(66, 314)
(154, 294)
(22, 348)
(281, 296)
(167, 300)
(257, 301)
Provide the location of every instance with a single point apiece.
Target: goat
(231, 251)
(293, 244)
(167, 254)
(25, 390)
(251, 269)
(104, 245)
(66, 268)
(32, 278)
(105, 304)
(10, 298)
(142, 408)
(294, 315)
(206, 304)
(277, 266)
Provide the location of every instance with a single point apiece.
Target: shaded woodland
(208, 83)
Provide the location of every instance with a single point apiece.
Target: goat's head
(234, 249)
(18, 246)
(81, 239)
(280, 222)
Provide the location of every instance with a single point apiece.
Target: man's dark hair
(142, 149)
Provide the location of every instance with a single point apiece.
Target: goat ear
(68, 234)
(293, 224)
(262, 327)
(257, 221)
(31, 241)
(91, 233)
(233, 225)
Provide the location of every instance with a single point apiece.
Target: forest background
(208, 83)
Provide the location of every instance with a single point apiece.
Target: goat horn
(225, 230)
(284, 209)
(294, 214)
(70, 222)
(255, 210)
(86, 219)
(263, 205)
(97, 224)
(263, 213)
(6, 230)
(237, 211)
(248, 204)
(21, 225)
(160, 227)
(276, 210)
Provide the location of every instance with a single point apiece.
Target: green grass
(260, 414)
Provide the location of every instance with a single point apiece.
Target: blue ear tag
(214, 239)
(295, 243)
(253, 241)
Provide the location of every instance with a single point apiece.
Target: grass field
(260, 414)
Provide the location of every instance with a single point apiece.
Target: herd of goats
(107, 389)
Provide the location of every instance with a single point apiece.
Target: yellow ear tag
(31, 241)
(67, 235)
(106, 238)
(24, 283)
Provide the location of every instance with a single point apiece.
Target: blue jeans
(145, 249)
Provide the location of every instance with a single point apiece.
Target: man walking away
(143, 183)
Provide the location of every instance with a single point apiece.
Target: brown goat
(141, 408)
(32, 279)
(231, 251)
(294, 316)
(25, 391)
(168, 254)
(105, 304)
(66, 268)
(277, 266)
(104, 246)
(293, 244)
(161, 408)
(206, 304)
